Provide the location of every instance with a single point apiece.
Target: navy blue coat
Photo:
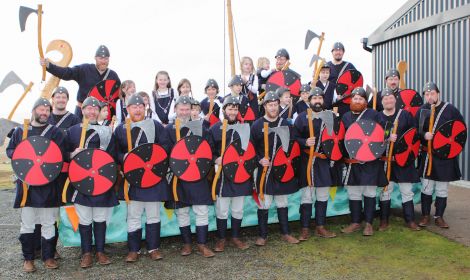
(301, 106)
(272, 186)
(216, 110)
(407, 174)
(229, 189)
(158, 192)
(442, 170)
(322, 176)
(336, 69)
(107, 199)
(329, 90)
(368, 173)
(46, 196)
(163, 105)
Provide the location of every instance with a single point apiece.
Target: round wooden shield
(285, 78)
(191, 158)
(107, 91)
(37, 161)
(92, 172)
(146, 165)
(285, 165)
(347, 82)
(409, 100)
(449, 139)
(333, 145)
(364, 140)
(239, 165)
(406, 148)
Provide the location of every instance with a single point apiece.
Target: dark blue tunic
(338, 70)
(368, 173)
(301, 106)
(321, 168)
(163, 105)
(158, 192)
(189, 193)
(46, 196)
(329, 90)
(407, 174)
(229, 188)
(107, 199)
(284, 113)
(272, 186)
(205, 105)
(442, 170)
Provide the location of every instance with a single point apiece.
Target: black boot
(263, 223)
(426, 201)
(56, 239)
(282, 216)
(305, 211)
(408, 211)
(201, 234)
(85, 238)
(37, 240)
(99, 232)
(369, 209)
(355, 206)
(440, 204)
(27, 245)
(133, 240)
(320, 212)
(152, 236)
(384, 214)
(186, 234)
(221, 228)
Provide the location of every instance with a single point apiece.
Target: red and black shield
(37, 161)
(107, 91)
(239, 165)
(213, 118)
(285, 78)
(333, 145)
(406, 148)
(92, 172)
(364, 140)
(285, 165)
(191, 158)
(409, 100)
(146, 165)
(246, 114)
(449, 139)
(348, 81)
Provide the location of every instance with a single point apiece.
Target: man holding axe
(37, 203)
(319, 177)
(440, 165)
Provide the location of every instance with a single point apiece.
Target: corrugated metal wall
(439, 54)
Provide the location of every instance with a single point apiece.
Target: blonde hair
(262, 61)
(247, 58)
(165, 73)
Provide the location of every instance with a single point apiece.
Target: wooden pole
(266, 156)
(230, 36)
(222, 150)
(41, 52)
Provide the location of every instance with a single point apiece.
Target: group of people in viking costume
(167, 149)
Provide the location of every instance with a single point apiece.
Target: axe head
(284, 134)
(309, 37)
(104, 133)
(194, 126)
(327, 117)
(314, 58)
(423, 115)
(24, 13)
(369, 91)
(5, 127)
(147, 127)
(243, 130)
(11, 79)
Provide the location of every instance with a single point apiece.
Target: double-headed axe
(23, 16)
(308, 38)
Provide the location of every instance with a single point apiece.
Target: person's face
(316, 99)
(146, 100)
(185, 89)
(91, 113)
(324, 74)
(231, 113)
(280, 62)
(266, 65)
(104, 112)
(247, 67)
(136, 112)
(237, 89)
(129, 89)
(272, 109)
(338, 54)
(285, 98)
(41, 114)
(102, 63)
(211, 92)
(59, 101)
(431, 97)
(388, 102)
(162, 81)
(393, 82)
(195, 111)
(357, 99)
(304, 96)
(183, 112)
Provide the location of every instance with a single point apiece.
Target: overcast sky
(183, 37)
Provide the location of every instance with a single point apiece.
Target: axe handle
(222, 150)
(175, 179)
(311, 133)
(230, 37)
(266, 155)
(24, 186)
(28, 88)
(129, 148)
(390, 154)
(41, 52)
(261, 96)
(374, 98)
(211, 106)
(322, 37)
(401, 67)
(431, 124)
(286, 66)
(316, 73)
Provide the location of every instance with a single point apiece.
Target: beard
(317, 107)
(357, 107)
(230, 121)
(41, 119)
